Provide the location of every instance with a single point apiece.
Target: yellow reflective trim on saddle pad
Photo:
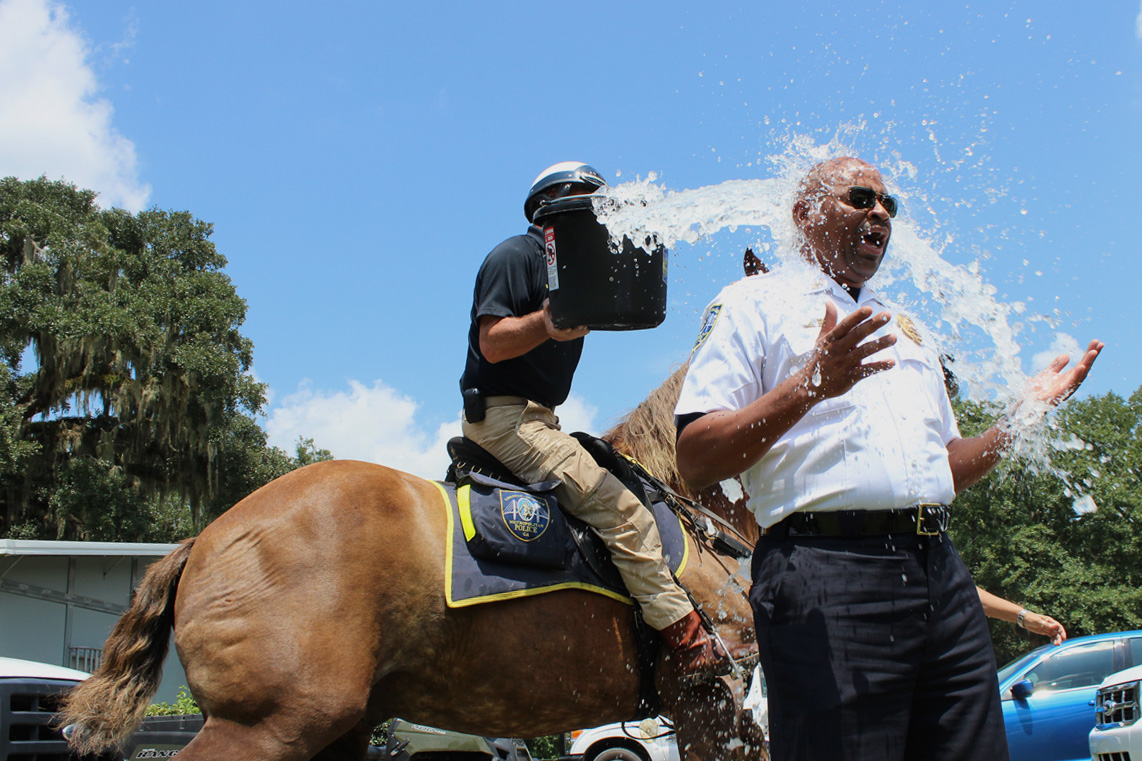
(464, 502)
(517, 593)
(685, 552)
(447, 541)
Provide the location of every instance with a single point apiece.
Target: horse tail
(108, 706)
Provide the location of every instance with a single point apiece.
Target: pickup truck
(30, 695)
(1117, 733)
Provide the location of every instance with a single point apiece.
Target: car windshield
(1006, 672)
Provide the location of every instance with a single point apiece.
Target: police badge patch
(708, 321)
(908, 328)
(513, 524)
(526, 516)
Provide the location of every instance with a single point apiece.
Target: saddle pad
(471, 581)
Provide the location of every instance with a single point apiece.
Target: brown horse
(314, 609)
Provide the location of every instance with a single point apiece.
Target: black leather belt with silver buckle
(923, 520)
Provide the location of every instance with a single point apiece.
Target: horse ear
(752, 265)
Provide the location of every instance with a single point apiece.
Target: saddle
(468, 457)
(473, 465)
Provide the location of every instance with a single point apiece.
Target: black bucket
(588, 283)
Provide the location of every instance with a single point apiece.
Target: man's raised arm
(972, 459)
(722, 444)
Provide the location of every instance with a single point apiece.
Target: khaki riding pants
(525, 437)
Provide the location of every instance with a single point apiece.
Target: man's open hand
(837, 361)
(1053, 385)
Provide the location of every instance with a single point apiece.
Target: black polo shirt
(512, 282)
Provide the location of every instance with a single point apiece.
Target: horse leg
(323, 716)
(265, 706)
(707, 720)
(221, 740)
(350, 746)
(280, 737)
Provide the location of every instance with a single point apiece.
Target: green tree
(246, 461)
(124, 380)
(183, 705)
(1028, 536)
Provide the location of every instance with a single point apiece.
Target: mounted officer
(519, 369)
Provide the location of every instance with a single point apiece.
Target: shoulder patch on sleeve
(708, 321)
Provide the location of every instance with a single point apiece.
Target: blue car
(1048, 694)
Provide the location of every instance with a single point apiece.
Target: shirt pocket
(919, 376)
(833, 411)
(797, 344)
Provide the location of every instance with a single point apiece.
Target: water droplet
(956, 310)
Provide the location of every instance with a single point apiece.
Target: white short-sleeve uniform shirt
(882, 445)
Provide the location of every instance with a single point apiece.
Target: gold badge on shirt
(908, 328)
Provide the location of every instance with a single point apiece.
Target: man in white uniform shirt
(834, 412)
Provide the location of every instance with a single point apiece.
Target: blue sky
(358, 160)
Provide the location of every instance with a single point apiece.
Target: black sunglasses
(861, 197)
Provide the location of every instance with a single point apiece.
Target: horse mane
(647, 433)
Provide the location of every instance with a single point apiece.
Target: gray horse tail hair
(108, 706)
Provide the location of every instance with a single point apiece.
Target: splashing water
(955, 308)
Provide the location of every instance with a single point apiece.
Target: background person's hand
(1045, 625)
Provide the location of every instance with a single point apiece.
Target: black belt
(497, 400)
(923, 520)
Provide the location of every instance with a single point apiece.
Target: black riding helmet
(566, 178)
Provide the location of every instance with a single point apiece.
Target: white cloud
(52, 121)
(378, 424)
(577, 414)
(1138, 24)
(1063, 344)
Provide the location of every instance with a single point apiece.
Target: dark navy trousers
(874, 648)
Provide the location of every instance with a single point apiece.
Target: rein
(731, 542)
